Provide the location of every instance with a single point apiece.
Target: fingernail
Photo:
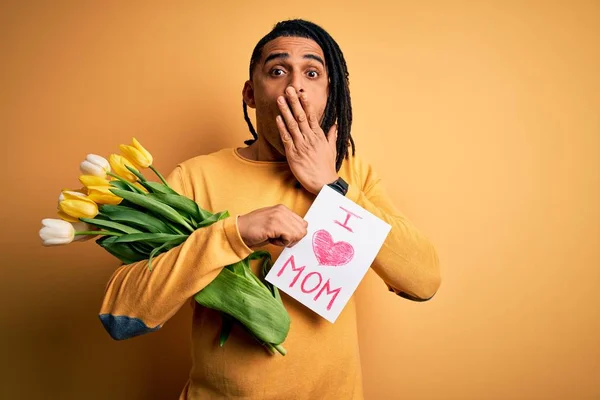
(281, 100)
(290, 90)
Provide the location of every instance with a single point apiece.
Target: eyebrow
(286, 55)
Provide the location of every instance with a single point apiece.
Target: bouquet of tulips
(136, 219)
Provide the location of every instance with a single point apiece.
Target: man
(299, 87)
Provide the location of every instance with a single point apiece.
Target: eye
(277, 72)
(313, 74)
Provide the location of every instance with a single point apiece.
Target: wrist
(322, 184)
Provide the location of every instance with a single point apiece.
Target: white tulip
(95, 165)
(56, 232)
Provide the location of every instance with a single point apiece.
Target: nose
(296, 82)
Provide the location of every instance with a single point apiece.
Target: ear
(248, 94)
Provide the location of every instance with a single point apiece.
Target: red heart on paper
(330, 253)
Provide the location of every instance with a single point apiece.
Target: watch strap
(340, 186)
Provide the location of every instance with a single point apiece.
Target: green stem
(98, 233)
(177, 230)
(129, 184)
(160, 176)
(280, 349)
(115, 176)
(269, 347)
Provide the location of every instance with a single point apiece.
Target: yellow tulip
(118, 164)
(137, 154)
(66, 217)
(78, 193)
(74, 207)
(91, 180)
(103, 195)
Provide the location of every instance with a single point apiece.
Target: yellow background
(482, 117)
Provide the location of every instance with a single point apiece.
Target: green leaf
(122, 251)
(237, 268)
(136, 173)
(156, 187)
(153, 205)
(205, 213)
(181, 203)
(252, 305)
(226, 325)
(134, 206)
(122, 184)
(246, 272)
(266, 267)
(141, 248)
(141, 219)
(213, 218)
(111, 225)
(151, 237)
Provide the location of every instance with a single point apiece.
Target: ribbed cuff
(235, 239)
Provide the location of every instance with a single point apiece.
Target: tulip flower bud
(92, 180)
(137, 154)
(95, 165)
(103, 195)
(118, 164)
(56, 232)
(61, 197)
(74, 207)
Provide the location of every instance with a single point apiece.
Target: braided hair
(339, 106)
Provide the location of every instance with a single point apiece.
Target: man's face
(286, 61)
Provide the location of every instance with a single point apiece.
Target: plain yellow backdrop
(481, 117)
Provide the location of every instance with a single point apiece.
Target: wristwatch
(339, 185)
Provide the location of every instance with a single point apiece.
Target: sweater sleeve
(407, 262)
(138, 301)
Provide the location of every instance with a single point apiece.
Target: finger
(289, 238)
(290, 120)
(279, 241)
(286, 138)
(287, 215)
(301, 221)
(297, 231)
(298, 111)
(296, 227)
(313, 121)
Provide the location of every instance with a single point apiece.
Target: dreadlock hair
(339, 106)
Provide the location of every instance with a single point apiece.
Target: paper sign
(323, 270)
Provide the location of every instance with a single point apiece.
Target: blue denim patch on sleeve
(123, 327)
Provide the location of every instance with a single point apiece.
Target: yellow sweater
(323, 359)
